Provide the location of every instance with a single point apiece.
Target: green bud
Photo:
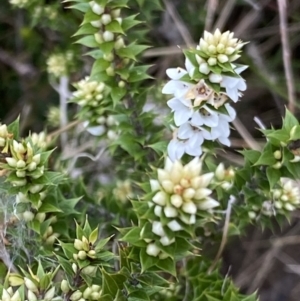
(89, 270)
(78, 244)
(95, 296)
(21, 164)
(28, 216)
(277, 155)
(64, 286)
(121, 84)
(40, 216)
(49, 294)
(87, 292)
(74, 268)
(76, 296)
(36, 188)
(96, 288)
(110, 71)
(21, 173)
(82, 255)
(92, 253)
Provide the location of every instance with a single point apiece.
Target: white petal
(185, 131)
(182, 116)
(170, 87)
(176, 73)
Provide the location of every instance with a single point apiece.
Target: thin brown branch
(286, 55)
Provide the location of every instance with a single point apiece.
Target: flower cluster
(202, 92)
(123, 191)
(20, 3)
(4, 134)
(224, 177)
(180, 193)
(281, 200)
(59, 64)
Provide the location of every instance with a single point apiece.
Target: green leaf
(167, 265)
(107, 47)
(251, 155)
(109, 286)
(131, 51)
(14, 128)
(191, 56)
(86, 29)
(94, 236)
(130, 22)
(139, 73)
(146, 260)
(267, 156)
(289, 121)
(46, 207)
(99, 65)
(133, 235)
(114, 27)
(273, 176)
(88, 41)
(83, 7)
(117, 94)
(139, 295)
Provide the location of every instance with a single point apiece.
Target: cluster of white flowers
(181, 191)
(285, 198)
(58, 64)
(3, 134)
(201, 94)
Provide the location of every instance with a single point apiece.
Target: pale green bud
(212, 49)
(30, 285)
(221, 48)
(76, 296)
(152, 250)
(252, 214)
(203, 68)
(160, 198)
(96, 8)
(31, 296)
(19, 182)
(110, 71)
(78, 244)
(220, 172)
(36, 188)
(16, 296)
(3, 130)
(96, 288)
(89, 270)
(21, 173)
(37, 159)
(95, 296)
(21, 164)
(222, 58)
(11, 162)
(108, 36)
(74, 268)
(176, 200)
(64, 286)
(51, 239)
(277, 155)
(87, 293)
(96, 23)
(82, 255)
(49, 294)
(31, 166)
(105, 19)
(108, 57)
(116, 13)
(2, 142)
(28, 216)
(121, 84)
(5, 295)
(277, 165)
(92, 253)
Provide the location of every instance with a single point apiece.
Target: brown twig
(286, 55)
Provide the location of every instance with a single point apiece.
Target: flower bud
(176, 200)
(121, 84)
(31, 166)
(174, 226)
(30, 285)
(92, 253)
(89, 270)
(160, 198)
(212, 61)
(165, 241)
(96, 288)
(21, 173)
(37, 159)
(21, 164)
(157, 228)
(74, 268)
(19, 182)
(36, 188)
(220, 172)
(96, 8)
(82, 255)
(31, 296)
(252, 214)
(49, 294)
(16, 296)
(78, 244)
(189, 207)
(203, 68)
(119, 43)
(152, 250)
(110, 71)
(95, 295)
(222, 58)
(108, 36)
(76, 296)
(277, 165)
(105, 19)
(116, 13)
(2, 142)
(157, 210)
(170, 211)
(215, 78)
(87, 292)
(28, 216)
(96, 24)
(11, 162)
(277, 155)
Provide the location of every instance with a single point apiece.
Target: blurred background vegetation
(268, 260)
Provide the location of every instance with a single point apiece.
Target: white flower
(234, 85)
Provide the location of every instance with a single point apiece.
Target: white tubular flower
(234, 85)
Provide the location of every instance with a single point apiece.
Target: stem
(63, 92)
(225, 232)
